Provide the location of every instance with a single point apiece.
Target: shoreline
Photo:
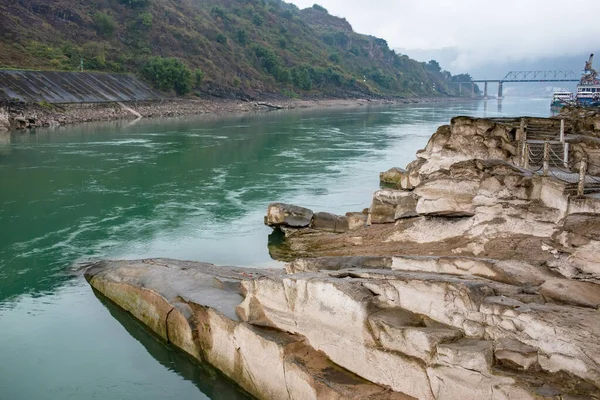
(18, 116)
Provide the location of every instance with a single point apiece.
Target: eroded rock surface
(192, 306)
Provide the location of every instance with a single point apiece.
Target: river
(194, 189)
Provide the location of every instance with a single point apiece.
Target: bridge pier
(500, 89)
(485, 90)
(472, 89)
(459, 88)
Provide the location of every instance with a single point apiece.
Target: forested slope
(230, 48)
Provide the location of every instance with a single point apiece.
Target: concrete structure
(72, 87)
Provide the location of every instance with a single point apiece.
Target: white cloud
(481, 30)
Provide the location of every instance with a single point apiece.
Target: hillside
(233, 48)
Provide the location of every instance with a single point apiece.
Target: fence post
(546, 157)
(526, 162)
(582, 173)
(562, 130)
(566, 156)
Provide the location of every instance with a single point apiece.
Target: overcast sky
(481, 30)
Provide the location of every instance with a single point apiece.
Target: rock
(392, 176)
(396, 306)
(20, 122)
(516, 354)
(472, 354)
(583, 294)
(356, 220)
(446, 197)
(337, 263)
(279, 214)
(188, 305)
(389, 205)
(408, 333)
(329, 223)
(4, 120)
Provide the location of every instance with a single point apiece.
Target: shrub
(242, 37)
(145, 19)
(105, 24)
(218, 12)
(221, 38)
(257, 20)
(287, 14)
(168, 74)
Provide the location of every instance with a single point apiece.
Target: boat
(588, 89)
(561, 99)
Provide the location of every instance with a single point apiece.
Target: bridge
(522, 77)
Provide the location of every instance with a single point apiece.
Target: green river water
(194, 189)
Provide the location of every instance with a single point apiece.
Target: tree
(242, 37)
(168, 74)
(105, 24)
(433, 66)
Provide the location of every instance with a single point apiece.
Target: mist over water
(193, 189)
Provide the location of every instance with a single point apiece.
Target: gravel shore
(29, 115)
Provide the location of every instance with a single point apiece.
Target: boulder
(393, 176)
(280, 214)
(388, 205)
(356, 220)
(4, 120)
(327, 222)
(20, 122)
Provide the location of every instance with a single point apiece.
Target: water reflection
(211, 382)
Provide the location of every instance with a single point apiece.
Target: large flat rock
(192, 305)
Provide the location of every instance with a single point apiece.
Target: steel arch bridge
(523, 77)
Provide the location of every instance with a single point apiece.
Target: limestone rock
(472, 354)
(279, 214)
(514, 353)
(188, 305)
(4, 120)
(449, 198)
(356, 220)
(329, 223)
(389, 205)
(392, 176)
(583, 294)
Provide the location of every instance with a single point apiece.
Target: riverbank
(18, 115)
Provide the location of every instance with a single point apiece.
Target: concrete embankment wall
(72, 87)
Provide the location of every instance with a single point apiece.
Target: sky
(476, 32)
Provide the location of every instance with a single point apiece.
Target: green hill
(228, 48)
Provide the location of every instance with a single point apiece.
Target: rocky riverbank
(17, 115)
(474, 276)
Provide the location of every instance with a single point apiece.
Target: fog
(476, 34)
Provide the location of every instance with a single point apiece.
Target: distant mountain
(498, 68)
(229, 48)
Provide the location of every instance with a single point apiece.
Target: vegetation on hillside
(221, 47)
